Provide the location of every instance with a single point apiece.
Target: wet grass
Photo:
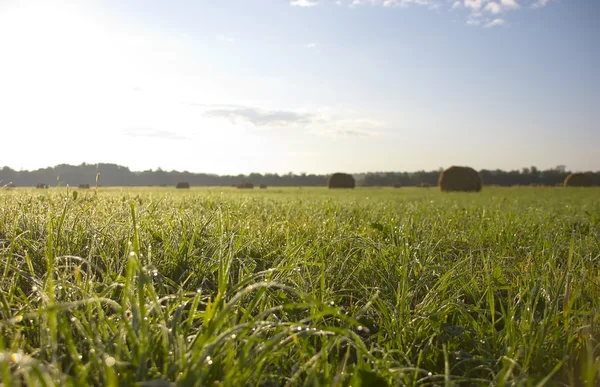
(299, 286)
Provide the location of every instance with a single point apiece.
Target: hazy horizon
(540, 169)
(233, 87)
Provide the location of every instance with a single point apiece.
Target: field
(300, 286)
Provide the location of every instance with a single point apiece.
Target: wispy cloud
(540, 4)
(259, 117)
(310, 45)
(349, 128)
(153, 133)
(316, 123)
(474, 7)
(474, 19)
(224, 38)
(304, 3)
(495, 23)
(432, 4)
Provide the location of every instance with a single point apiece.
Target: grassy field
(300, 286)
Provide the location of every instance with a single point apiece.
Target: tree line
(116, 175)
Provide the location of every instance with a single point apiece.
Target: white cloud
(495, 23)
(457, 4)
(473, 4)
(310, 45)
(494, 8)
(510, 4)
(304, 3)
(540, 4)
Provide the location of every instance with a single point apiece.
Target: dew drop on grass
(145, 318)
(34, 289)
(73, 319)
(360, 328)
(429, 374)
(233, 336)
(15, 358)
(110, 361)
(208, 360)
(92, 351)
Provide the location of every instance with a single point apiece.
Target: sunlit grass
(299, 286)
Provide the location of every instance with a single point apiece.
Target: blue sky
(238, 86)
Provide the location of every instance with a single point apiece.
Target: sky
(315, 86)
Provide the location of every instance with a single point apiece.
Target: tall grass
(299, 287)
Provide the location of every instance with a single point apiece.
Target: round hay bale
(246, 185)
(578, 180)
(397, 185)
(462, 179)
(263, 186)
(341, 180)
(183, 185)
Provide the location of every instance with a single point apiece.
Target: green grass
(300, 286)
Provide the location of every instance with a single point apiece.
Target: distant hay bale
(263, 186)
(578, 180)
(462, 179)
(245, 185)
(41, 186)
(341, 180)
(183, 185)
(397, 185)
(84, 186)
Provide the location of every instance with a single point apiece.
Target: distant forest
(116, 175)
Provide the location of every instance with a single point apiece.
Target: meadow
(299, 286)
